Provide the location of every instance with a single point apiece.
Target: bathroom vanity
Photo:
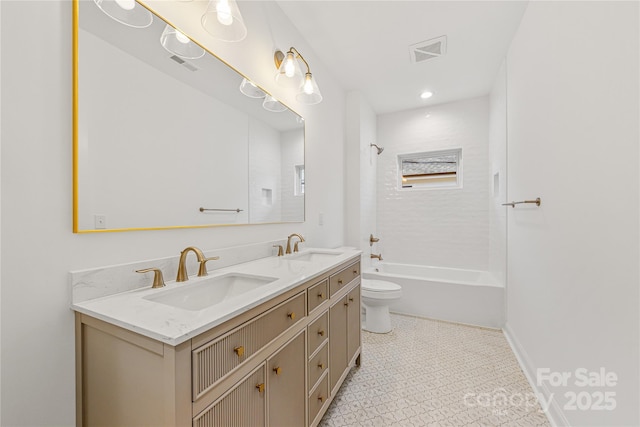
(275, 355)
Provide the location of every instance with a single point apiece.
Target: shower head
(380, 149)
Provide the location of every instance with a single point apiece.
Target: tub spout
(379, 256)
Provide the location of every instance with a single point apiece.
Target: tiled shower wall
(439, 227)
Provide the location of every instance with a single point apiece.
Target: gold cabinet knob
(277, 370)
(350, 299)
(321, 399)
(260, 387)
(321, 333)
(321, 295)
(239, 351)
(291, 316)
(339, 281)
(321, 365)
(355, 271)
(346, 304)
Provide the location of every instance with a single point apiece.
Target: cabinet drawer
(317, 294)
(318, 332)
(214, 360)
(343, 277)
(317, 398)
(318, 365)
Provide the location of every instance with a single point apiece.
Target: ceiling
(365, 45)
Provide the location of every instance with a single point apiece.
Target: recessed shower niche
(157, 136)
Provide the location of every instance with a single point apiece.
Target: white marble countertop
(173, 325)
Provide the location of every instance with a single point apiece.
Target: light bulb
(289, 65)
(126, 4)
(182, 38)
(308, 85)
(224, 12)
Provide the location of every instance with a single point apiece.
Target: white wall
(498, 172)
(360, 173)
(40, 249)
(438, 227)
(572, 85)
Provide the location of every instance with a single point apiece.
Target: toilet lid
(380, 285)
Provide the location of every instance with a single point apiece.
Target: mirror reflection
(167, 140)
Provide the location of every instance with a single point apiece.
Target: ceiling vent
(184, 63)
(429, 49)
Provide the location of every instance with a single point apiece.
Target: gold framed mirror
(165, 141)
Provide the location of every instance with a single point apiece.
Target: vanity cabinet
(278, 364)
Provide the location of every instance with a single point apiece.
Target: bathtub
(464, 296)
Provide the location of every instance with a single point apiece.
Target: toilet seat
(380, 289)
(379, 285)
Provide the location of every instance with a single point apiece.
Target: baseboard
(554, 413)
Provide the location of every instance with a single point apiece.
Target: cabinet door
(337, 341)
(353, 322)
(243, 406)
(286, 385)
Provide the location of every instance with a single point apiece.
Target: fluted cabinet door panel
(243, 406)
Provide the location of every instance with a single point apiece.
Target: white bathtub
(464, 296)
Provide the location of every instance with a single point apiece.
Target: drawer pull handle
(350, 299)
(321, 333)
(321, 295)
(339, 281)
(355, 271)
(277, 370)
(260, 387)
(321, 399)
(321, 365)
(239, 351)
(292, 316)
(346, 304)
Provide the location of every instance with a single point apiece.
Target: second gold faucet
(182, 264)
(295, 247)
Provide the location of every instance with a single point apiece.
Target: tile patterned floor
(431, 373)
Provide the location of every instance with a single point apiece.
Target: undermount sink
(312, 256)
(211, 291)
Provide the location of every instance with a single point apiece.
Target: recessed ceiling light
(426, 95)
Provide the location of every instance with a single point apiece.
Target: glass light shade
(251, 90)
(289, 74)
(272, 104)
(126, 12)
(309, 93)
(177, 43)
(223, 21)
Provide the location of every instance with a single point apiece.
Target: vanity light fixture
(272, 104)
(223, 21)
(290, 75)
(249, 89)
(177, 43)
(126, 12)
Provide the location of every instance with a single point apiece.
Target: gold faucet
(379, 256)
(295, 247)
(182, 264)
(280, 250)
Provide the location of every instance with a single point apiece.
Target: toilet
(376, 297)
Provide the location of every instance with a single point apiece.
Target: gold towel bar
(222, 210)
(513, 204)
